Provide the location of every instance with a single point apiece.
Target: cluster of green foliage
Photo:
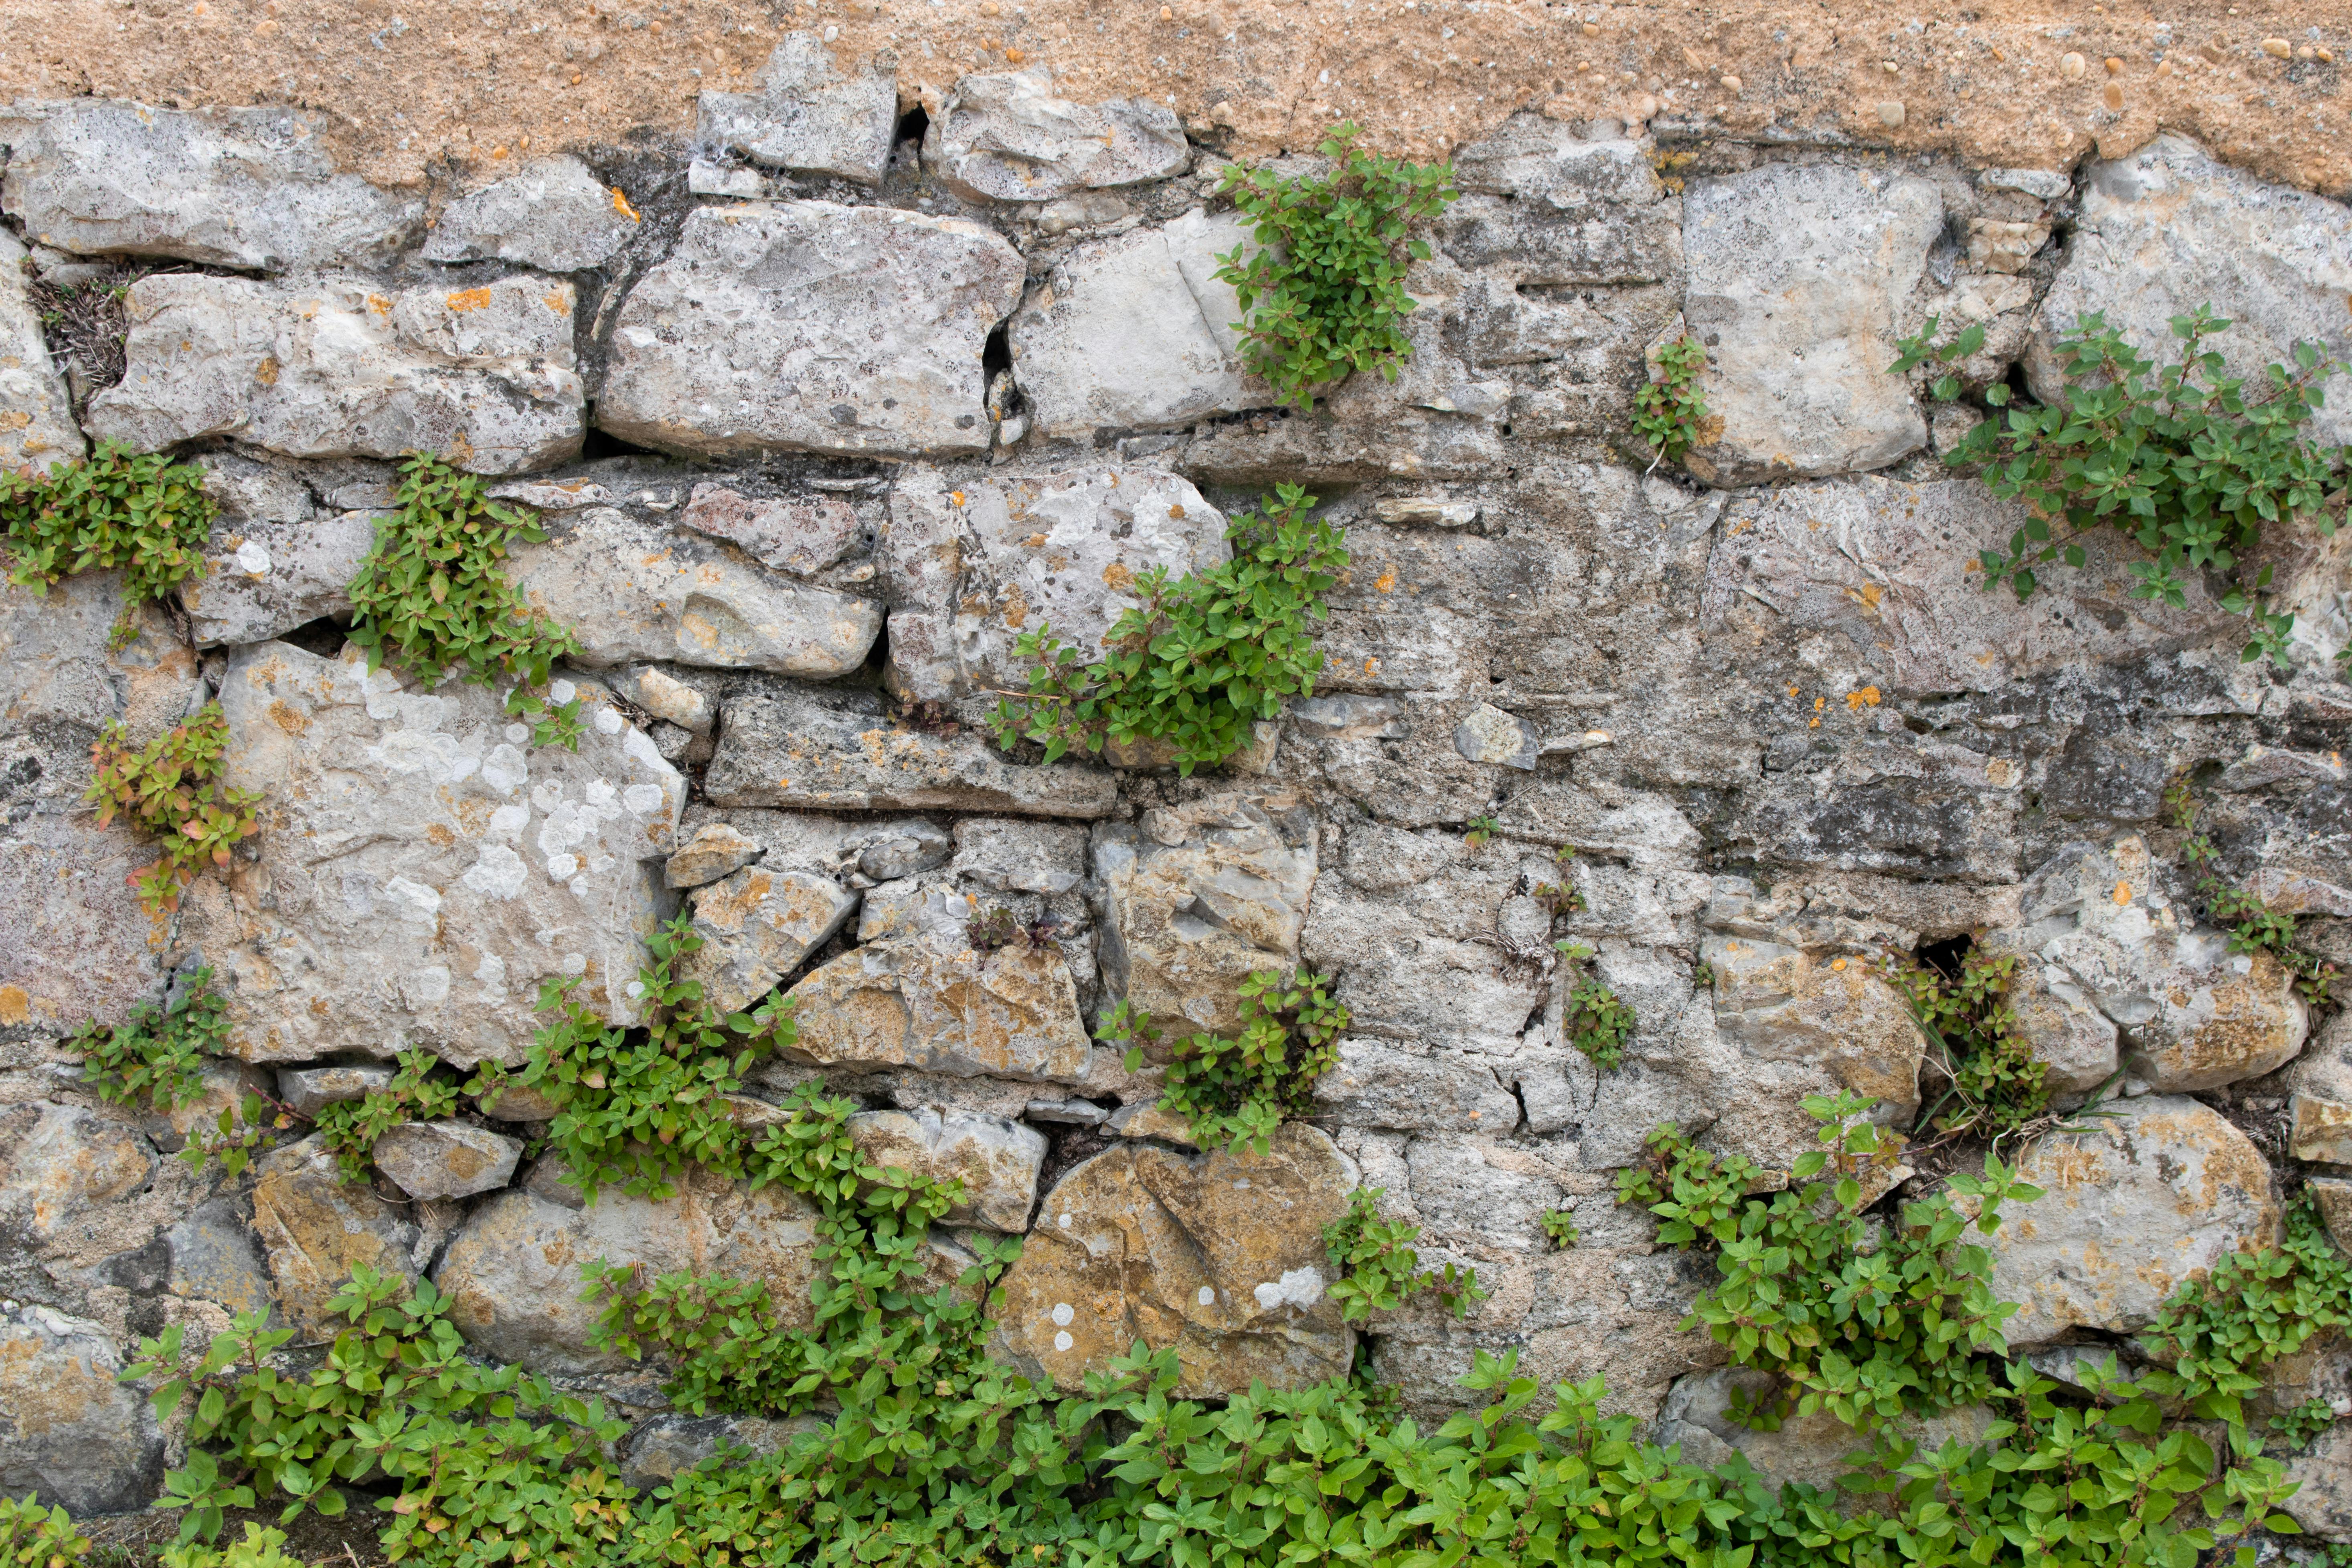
(1481, 829)
(1667, 410)
(146, 515)
(1559, 1228)
(1595, 1020)
(2252, 926)
(1866, 1321)
(157, 1054)
(1323, 294)
(261, 1548)
(1201, 658)
(421, 1090)
(170, 789)
(2177, 455)
(1559, 896)
(1994, 1082)
(2295, 1428)
(1238, 1089)
(32, 1536)
(1379, 1270)
(432, 596)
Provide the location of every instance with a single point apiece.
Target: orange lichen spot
(1372, 667)
(267, 370)
(556, 300)
(621, 203)
(1813, 724)
(466, 300)
(1864, 696)
(380, 304)
(1837, 963)
(1386, 581)
(15, 1007)
(2122, 894)
(291, 720)
(1793, 691)
(440, 833)
(1118, 578)
(956, 496)
(1870, 594)
(1820, 703)
(1177, 512)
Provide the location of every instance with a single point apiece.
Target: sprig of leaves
(143, 514)
(157, 1054)
(1379, 1269)
(170, 789)
(1238, 1089)
(1669, 409)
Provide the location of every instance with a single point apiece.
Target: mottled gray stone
(72, 1437)
(996, 1160)
(809, 326)
(263, 578)
(786, 746)
(756, 926)
(2321, 1129)
(311, 1089)
(928, 1002)
(316, 1228)
(36, 423)
(716, 850)
(789, 533)
(249, 188)
(1374, 1084)
(551, 214)
(337, 367)
(1007, 138)
(1490, 735)
(667, 1447)
(445, 1159)
(809, 115)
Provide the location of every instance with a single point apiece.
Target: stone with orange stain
(1218, 1257)
(2322, 1131)
(1008, 139)
(927, 1002)
(73, 1436)
(316, 1229)
(756, 927)
(60, 1165)
(445, 1159)
(2139, 1204)
(551, 214)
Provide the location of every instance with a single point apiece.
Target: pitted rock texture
(554, 214)
(445, 1159)
(316, 1228)
(420, 869)
(921, 1002)
(808, 326)
(1009, 139)
(481, 375)
(756, 926)
(1218, 1256)
(75, 1436)
(996, 1160)
(36, 423)
(811, 114)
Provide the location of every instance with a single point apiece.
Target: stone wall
(826, 405)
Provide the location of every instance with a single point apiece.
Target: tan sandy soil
(456, 88)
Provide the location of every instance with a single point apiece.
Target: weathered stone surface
(1891, 569)
(316, 1230)
(789, 533)
(445, 1159)
(808, 326)
(1491, 735)
(996, 1160)
(81, 946)
(666, 1447)
(1375, 1084)
(36, 423)
(59, 1164)
(1834, 1016)
(223, 1086)
(419, 872)
(2075, 1041)
(2167, 229)
(811, 115)
(1810, 1450)
(2323, 1503)
(919, 1002)
(263, 578)
(633, 590)
(1221, 1257)
(519, 1102)
(1008, 139)
(311, 1089)
(483, 376)
(1798, 279)
(717, 849)
(553, 214)
(214, 1257)
(1196, 898)
(1136, 333)
(71, 1435)
(756, 926)
(974, 563)
(249, 188)
(2322, 1129)
(2143, 1201)
(513, 1268)
(790, 746)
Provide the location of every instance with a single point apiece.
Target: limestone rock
(2323, 1503)
(667, 1447)
(2131, 1208)
(717, 849)
(316, 1230)
(263, 579)
(917, 1003)
(1375, 1084)
(1009, 856)
(334, 367)
(1008, 139)
(1196, 898)
(1548, 210)
(311, 1089)
(445, 1159)
(2333, 1197)
(1890, 569)
(974, 563)
(73, 1437)
(1136, 333)
(216, 1257)
(808, 326)
(2167, 229)
(224, 1086)
(418, 871)
(1834, 1016)
(83, 946)
(551, 214)
(1810, 1450)
(36, 422)
(630, 590)
(790, 746)
(800, 534)
(1219, 1256)
(666, 697)
(60, 1165)
(2322, 1131)
(996, 1160)
(1491, 735)
(513, 1268)
(809, 115)
(756, 926)
(1349, 718)
(1799, 279)
(1535, 158)
(247, 188)
(2076, 1042)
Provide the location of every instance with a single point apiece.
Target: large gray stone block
(554, 214)
(809, 115)
(70, 1436)
(1007, 138)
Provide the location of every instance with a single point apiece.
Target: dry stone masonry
(825, 408)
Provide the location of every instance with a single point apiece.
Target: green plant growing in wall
(1201, 658)
(433, 595)
(170, 789)
(1323, 293)
(1669, 409)
(1238, 1089)
(1559, 1227)
(2187, 460)
(1994, 1082)
(147, 516)
(2253, 928)
(32, 1536)
(157, 1054)
(421, 1090)
(1595, 1020)
(1379, 1270)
